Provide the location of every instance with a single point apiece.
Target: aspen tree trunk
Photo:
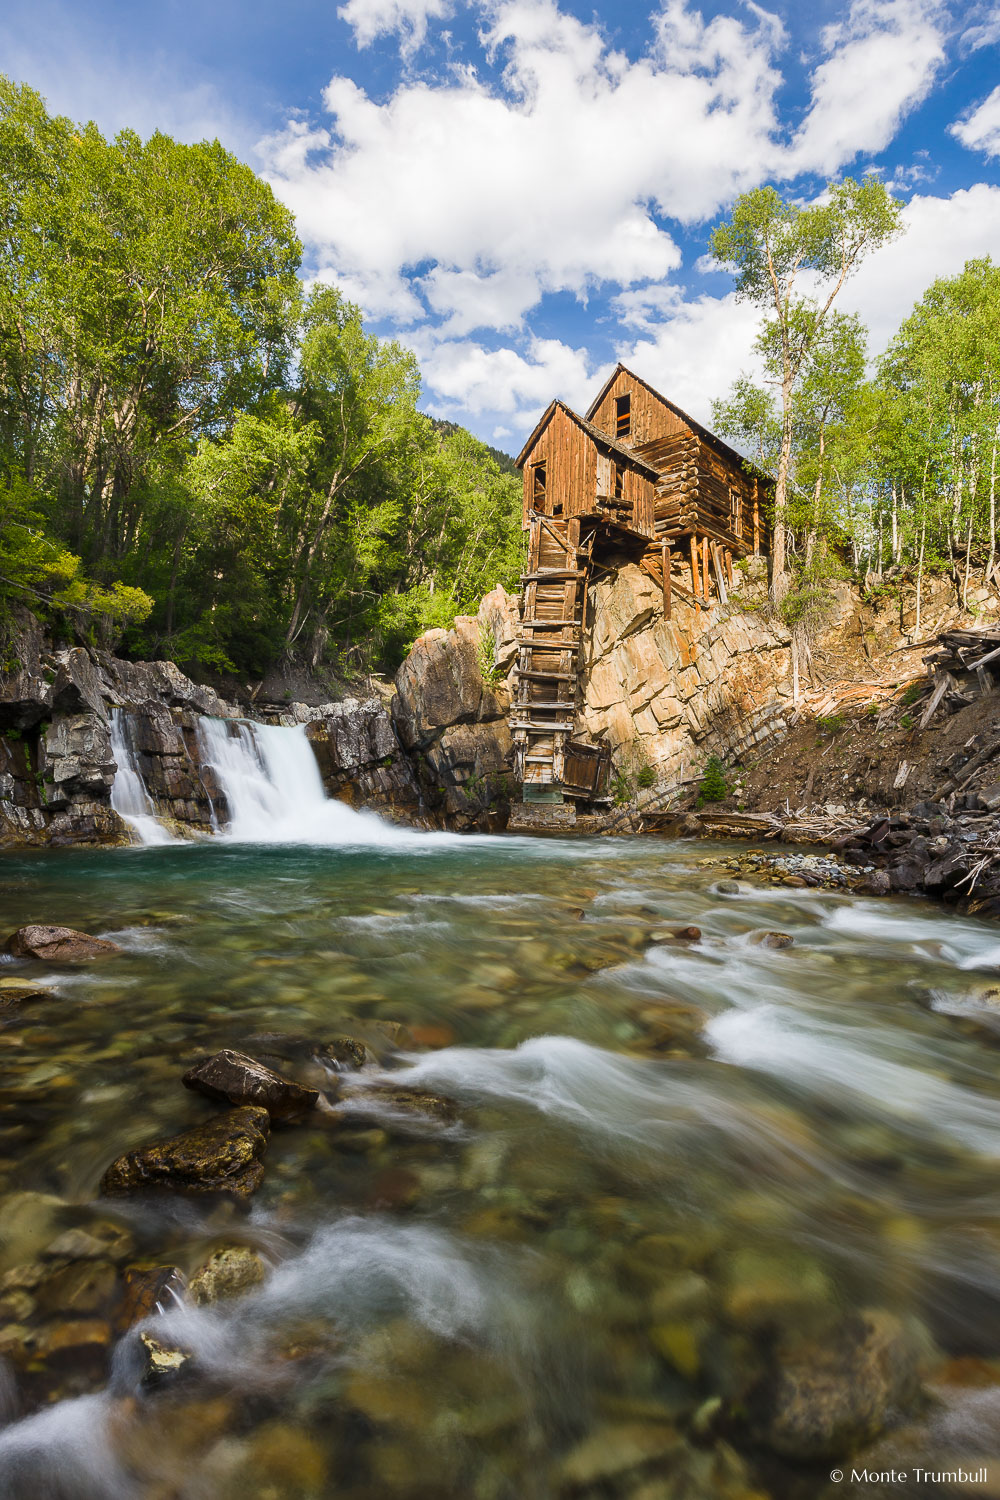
(920, 574)
(993, 512)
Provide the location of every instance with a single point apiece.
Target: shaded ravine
(680, 1172)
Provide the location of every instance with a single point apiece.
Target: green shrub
(831, 723)
(714, 787)
(907, 721)
(645, 777)
(915, 691)
(621, 788)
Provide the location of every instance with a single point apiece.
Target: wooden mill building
(636, 477)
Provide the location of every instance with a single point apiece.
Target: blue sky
(522, 190)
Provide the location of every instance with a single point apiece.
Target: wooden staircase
(544, 709)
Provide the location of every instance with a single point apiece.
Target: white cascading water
(129, 796)
(274, 791)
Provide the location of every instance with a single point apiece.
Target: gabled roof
(733, 453)
(625, 455)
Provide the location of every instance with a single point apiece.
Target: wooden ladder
(554, 586)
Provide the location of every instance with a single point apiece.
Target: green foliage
(831, 723)
(485, 657)
(907, 721)
(913, 693)
(714, 786)
(645, 778)
(193, 454)
(771, 244)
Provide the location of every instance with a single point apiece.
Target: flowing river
(674, 1169)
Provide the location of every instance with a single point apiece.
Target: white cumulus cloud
(369, 19)
(479, 197)
(980, 130)
(882, 61)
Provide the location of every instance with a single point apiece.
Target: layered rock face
(453, 721)
(670, 693)
(57, 765)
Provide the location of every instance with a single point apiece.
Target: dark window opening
(538, 487)
(623, 415)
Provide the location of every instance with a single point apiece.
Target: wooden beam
(756, 520)
(704, 567)
(665, 557)
(720, 573)
(729, 566)
(695, 581)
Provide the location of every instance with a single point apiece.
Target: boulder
(239, 1079)
(163, 1364)
(772, 939)
(828, 1399)
(229, 1271)
(58, 945)
(149, 1290)
(222, 1156)
(440, 684)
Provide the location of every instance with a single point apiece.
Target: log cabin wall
(570, 460)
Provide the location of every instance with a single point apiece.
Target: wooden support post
(720, 573)
(704, 567)
(729, 566)
(756, 521)
(665, 564)
(695, 583)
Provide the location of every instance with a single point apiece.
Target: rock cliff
(431, 750)
(667, 694)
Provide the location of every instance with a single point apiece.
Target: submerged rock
(772, 939)
(239, 1079)
(827, 1399)
(17, 991)
(60, 945)
(384, 1100)
(222, 1156)
(229, 1271)
(85, 1287)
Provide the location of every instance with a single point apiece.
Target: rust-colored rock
(223, 1156)
(59, 945)
(148, 1290)
(239, 1079)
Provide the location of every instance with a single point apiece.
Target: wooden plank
(945, 680)
(720, 573)
(554, 574)
(665, 565)
(695, 580)
(704, 567)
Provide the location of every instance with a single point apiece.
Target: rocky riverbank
(431, 750)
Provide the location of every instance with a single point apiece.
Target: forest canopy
(197, 458)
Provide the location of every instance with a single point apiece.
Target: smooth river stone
(61, 945)
(239, 1079)
(222, 1156)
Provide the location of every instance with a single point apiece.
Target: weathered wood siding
(577, 472)
(650, 417)
(570, 459)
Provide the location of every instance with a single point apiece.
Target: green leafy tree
(791, 261)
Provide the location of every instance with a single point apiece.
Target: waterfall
(274, 791)
(129, 796)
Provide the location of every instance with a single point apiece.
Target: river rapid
(686, 1181)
